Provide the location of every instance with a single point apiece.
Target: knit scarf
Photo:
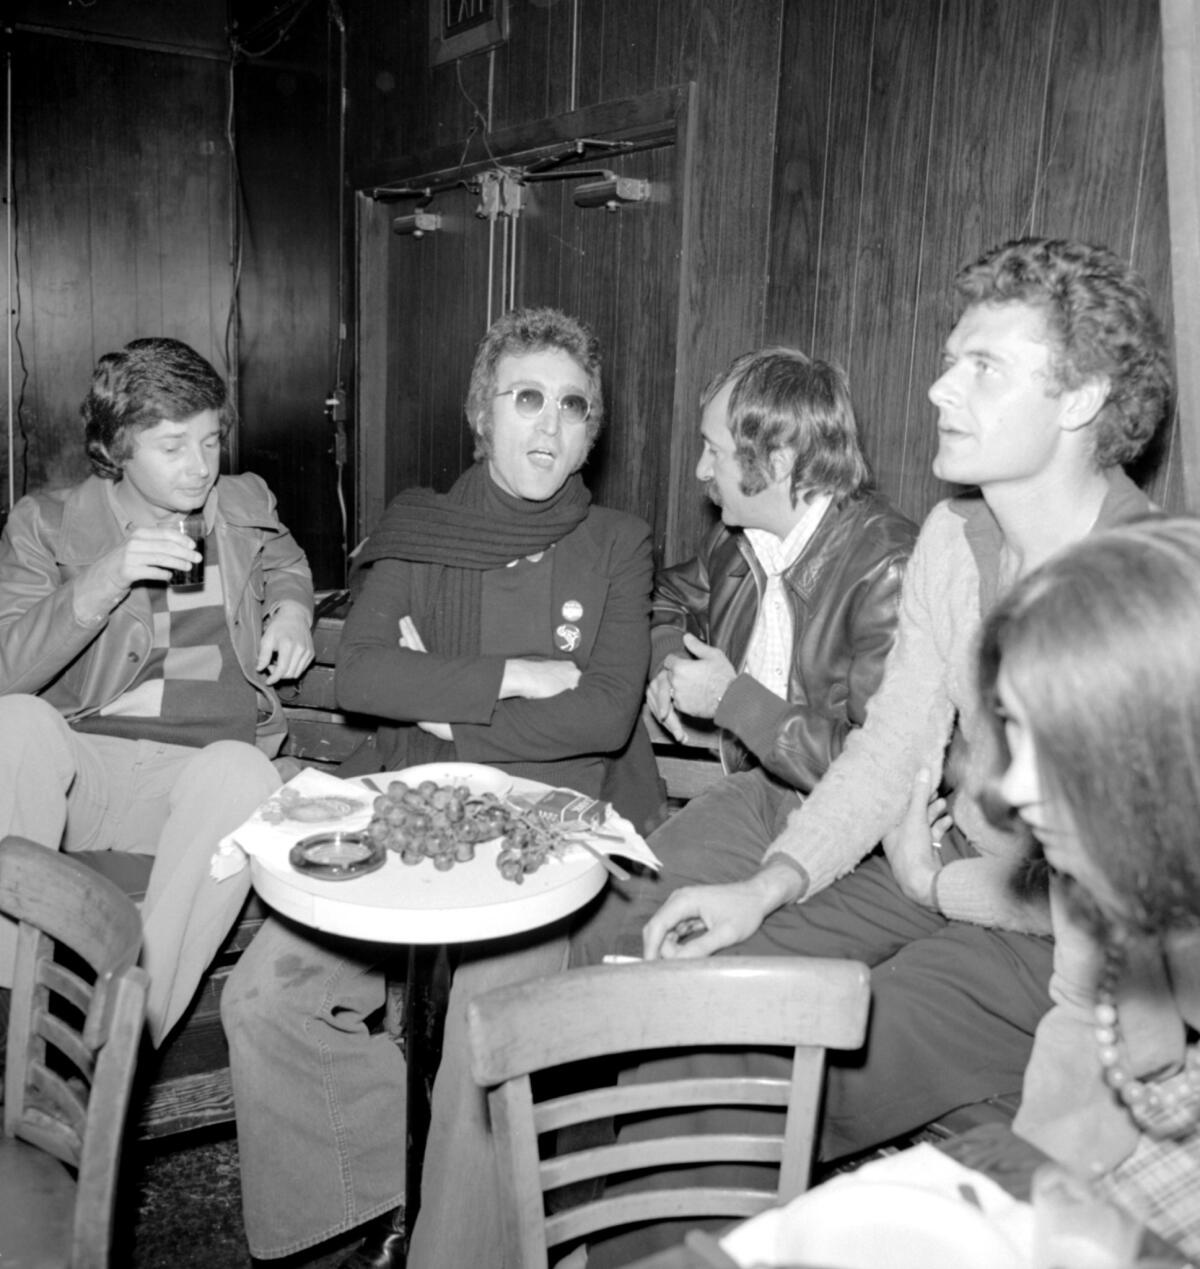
(457, 537)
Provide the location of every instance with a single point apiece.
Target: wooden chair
(806, 1005)
(78, 1001)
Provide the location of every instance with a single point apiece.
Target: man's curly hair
(1101, 323)
(516, 334)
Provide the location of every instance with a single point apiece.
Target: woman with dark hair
(1091, 668)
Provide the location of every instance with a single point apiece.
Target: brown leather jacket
(53, 536)
(844, 592)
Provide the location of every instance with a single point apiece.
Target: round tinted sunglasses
(573, 407)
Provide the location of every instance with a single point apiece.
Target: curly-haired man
(1053, 377)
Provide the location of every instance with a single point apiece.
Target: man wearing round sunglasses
(504, 622)
(797, 587)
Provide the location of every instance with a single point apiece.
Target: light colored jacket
(52, 536)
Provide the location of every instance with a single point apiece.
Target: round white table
(402, 903)
(424, 909)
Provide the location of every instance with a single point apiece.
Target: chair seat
(37, 1208)
(74, 1028)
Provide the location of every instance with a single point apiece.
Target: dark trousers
(954, 1006)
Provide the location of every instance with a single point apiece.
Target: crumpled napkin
(755, 1242)
(311, 802)
(314, 802)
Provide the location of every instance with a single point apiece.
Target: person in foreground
(533, 606)
(1090, 667)
(134, 717)
(1054, 376)
(778, 629)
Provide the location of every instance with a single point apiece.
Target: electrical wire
(512, 262)
(231, 350)
(491, 269)
(8, 272)
(296, 6)
(20, 347)
(339, 393)
(336, 18)
(504, 258)
(500, 171)
(477, 114)
(13, 272)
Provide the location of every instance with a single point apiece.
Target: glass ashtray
(336, 856)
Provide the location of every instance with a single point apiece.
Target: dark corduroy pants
(954, 1006)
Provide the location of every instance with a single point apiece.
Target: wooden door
(424, 304)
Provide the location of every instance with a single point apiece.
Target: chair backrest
(798, 1004)
(75, 1024)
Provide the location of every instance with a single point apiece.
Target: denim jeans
(320, 1098)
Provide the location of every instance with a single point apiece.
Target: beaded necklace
(1161, 1108)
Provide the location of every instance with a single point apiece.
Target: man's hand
(662, 706)
(537, 680)
(725, 914)
(286, 647)
(146, 555)
(912, 846)
(698, 685)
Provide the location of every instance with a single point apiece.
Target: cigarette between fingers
(689, 928)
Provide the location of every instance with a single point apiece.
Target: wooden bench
(320, 734)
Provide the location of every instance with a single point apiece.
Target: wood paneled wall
(121, 200)
(842, 159)
(916, 134)
(123, 228)
(848, 157)
(290, 309)
(1181, 102)
(693, 307)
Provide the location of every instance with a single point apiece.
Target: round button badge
(567, 638)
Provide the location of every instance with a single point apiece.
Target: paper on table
(314, 802)
(756, 1242)
(310, 802)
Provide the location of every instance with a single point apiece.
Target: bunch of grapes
(444, 823)
(528, 843)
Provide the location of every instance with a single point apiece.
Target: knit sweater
(1067, 1109)
(929, 681)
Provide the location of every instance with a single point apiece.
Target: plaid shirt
(1160, 1184)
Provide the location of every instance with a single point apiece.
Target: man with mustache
(776, 632)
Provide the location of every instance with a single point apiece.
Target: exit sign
(458, 28)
